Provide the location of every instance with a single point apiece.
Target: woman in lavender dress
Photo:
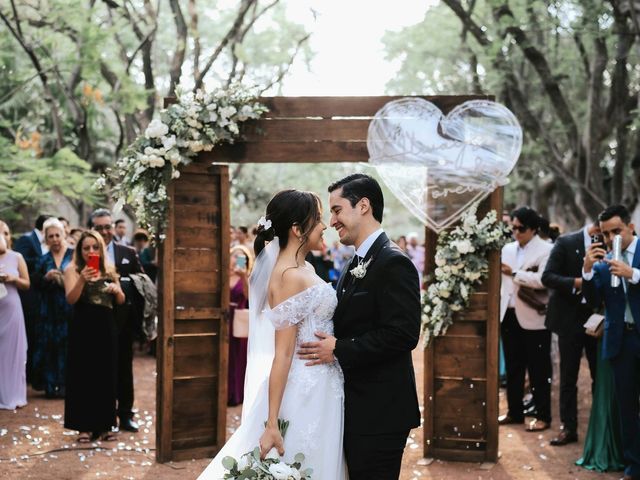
(13, 338)
(239, 270)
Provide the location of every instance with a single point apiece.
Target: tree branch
(175, 71)
(237, 24)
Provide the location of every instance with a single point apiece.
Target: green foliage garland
(195, 123)
(461, 264)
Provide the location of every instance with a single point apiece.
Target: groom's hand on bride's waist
(318, 352)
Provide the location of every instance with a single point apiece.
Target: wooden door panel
(193, 351)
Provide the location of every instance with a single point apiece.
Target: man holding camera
(567, 312)
(621, 342)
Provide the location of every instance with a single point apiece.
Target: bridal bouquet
(251, 467)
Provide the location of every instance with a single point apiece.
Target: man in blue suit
(621, 342)
(32, 246)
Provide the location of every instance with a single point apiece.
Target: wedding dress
(313, 400)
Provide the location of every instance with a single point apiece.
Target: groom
(377, 325)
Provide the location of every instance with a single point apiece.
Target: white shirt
(364, 247)
(520, 254)
(111, 253)
(43, 244)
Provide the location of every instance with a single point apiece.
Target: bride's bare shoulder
(287, 282)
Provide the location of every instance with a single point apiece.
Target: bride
(288, 303)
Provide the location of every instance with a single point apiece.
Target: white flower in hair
(263, 222)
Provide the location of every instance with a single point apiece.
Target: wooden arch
(193, 330)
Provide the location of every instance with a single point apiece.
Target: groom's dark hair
(357, 186)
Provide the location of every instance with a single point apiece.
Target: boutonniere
(360, 270)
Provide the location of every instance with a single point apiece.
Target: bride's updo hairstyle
(286, 209)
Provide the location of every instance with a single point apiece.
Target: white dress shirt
(364, 247)
(43, 243)
(111, 253)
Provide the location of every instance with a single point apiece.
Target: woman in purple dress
(13, 338)
(239, 269)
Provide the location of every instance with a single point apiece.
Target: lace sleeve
(289, 313)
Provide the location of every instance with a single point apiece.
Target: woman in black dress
(90, 400)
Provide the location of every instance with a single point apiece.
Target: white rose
(295, 474)
(192, 122)
(156, 129)
(280, 471)
(213, 116)
(464, 246)
(199, 95)
(455, 307)
(440, 261)
(144, 159)
(175, 174)
(156, 161)
(245, 112)
(169, 142)
(444, 293)
(226, 112)
(148, 151)
(233, 128)
(196, 146)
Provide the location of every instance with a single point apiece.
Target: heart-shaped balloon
(439, 166)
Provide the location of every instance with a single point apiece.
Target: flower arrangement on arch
(461, 264)
(195, 123)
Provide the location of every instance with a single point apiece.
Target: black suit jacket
(377, 325)
(29, 247)
(127, 262)
(564, 265)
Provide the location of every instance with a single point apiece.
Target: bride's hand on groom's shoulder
(318, 352)
(271, 438)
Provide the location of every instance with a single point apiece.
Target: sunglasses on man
(520, 228)
(99, 228)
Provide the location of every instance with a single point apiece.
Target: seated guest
(14, 276)
(526, 341)
(90, 399)
(50, 350)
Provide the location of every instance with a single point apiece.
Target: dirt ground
(34, 445)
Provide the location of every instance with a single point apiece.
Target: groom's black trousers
(374, 457)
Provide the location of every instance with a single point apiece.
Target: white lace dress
(313, 401)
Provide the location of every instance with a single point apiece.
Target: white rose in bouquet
(281, 471)
(245, 112)
(226, 112)
(464, 246)
(156, 129)
(169, 142)
(156, 161)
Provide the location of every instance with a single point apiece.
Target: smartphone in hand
(241, 261)
(94, 262)
(599, 239)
